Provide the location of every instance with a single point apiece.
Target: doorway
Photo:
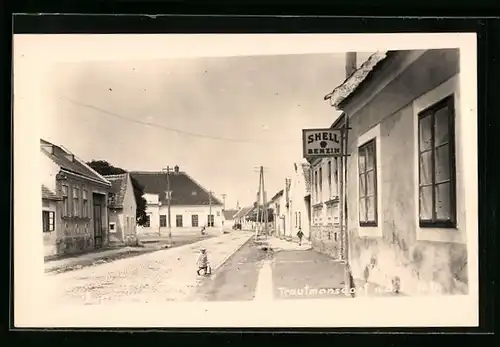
(97, 226)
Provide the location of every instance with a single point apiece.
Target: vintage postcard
(245, 180)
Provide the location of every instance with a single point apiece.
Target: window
(320, 184)
(316, 185)
(330, 179)
(147, 223)
(218, 213)
(163, 221)
(85, 204)
(336, 176)
(178, 221)
(210, 220)
(367, 184)
(76, 201)
(48, 221)
(112, 227)
(437, 199)
(65, 202)
(194, 220)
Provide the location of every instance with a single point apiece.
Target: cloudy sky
(217, 118)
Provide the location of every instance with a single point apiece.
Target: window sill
(370, 231)
(332, 201)
(318, 206)
(77, 219)
(448, 235)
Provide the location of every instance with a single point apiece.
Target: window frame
(163, 218)
(197, 220)
(75, 203)
(364, 147)
(177, 221)
(46, 225)
(451, 223)
(65, 200)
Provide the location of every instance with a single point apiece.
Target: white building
(297, 201)
(191, 205)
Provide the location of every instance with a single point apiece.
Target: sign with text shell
(321, 142)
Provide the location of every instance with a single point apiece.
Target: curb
(231, 254)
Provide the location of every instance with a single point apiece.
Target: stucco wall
(396, 257)
(186, 212)
(50, 238)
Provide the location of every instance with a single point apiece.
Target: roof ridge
(116, 175)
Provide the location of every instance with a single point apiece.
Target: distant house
(407, 171)
(241, 217)
(191, 205)
(229, 216)
(74, 202)
(297, 201)
(276, 205)
(122, 210)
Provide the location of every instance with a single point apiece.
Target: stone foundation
(326, 239)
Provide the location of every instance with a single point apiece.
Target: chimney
(176, 169)
(350, 64)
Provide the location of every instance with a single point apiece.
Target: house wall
(77, 232)
(186, 212)
(298, 209)
(129, 214)
(50, 238)
(395, 251)
(325, 207)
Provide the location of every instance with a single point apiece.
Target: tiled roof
(243, 212)
(185, 191)
(63, 159)
(118, 188)
(48, 194)
(344, 90)
(229, 214)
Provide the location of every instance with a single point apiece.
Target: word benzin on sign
(321, 142)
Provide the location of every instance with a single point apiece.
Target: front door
(97, 226)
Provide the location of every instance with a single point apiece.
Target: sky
(217, 118)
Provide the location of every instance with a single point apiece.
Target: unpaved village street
(165, 275)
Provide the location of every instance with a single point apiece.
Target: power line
(159, 126)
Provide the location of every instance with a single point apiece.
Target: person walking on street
(202, 262)
(300, 235)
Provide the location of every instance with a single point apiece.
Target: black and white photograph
(202, 180)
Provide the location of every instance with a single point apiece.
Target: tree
(105, 168)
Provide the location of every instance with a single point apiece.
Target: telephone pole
(262, 216)
(210, 209)
(169, 195)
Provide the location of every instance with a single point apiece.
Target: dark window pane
(362, 210)
(425, 133)
(441, 121)
(362, 186)
(443, 210)
(426, 203)
(370, 183)
(370, 208)
(426, 168)
(362, 161)
(370, 157)
(442, 163)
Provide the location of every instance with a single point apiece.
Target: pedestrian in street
(300, 235)
(202, 262)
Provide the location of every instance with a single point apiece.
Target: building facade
(406, 171)
(297, 202)
(276, 203)
(191, 205)
(75, 219)
(122, 210)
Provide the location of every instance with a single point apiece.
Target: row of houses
(402, 179)
(83, 210)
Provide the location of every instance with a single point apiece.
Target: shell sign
(321, 143)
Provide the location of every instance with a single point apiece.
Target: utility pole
(210, 208)
(265, 216)
(169, 195)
